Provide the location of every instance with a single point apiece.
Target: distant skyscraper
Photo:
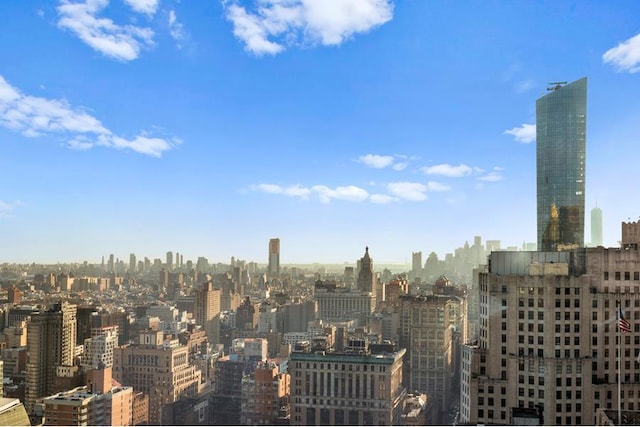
(366, 277)
(169, 260)
(274, 257)
(132, 263)
(596, 226)
(416, 264)
(561, 120)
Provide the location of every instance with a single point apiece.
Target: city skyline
(139, 126)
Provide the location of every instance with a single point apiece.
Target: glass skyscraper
(561, 121)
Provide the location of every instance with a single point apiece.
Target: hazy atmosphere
(210, 127)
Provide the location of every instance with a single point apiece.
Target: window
(627, 275)
(617, 275)
(606, 275)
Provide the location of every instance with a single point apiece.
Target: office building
(274, 257)
(416, 265)
(549, 341)
(159, 368)
(430, 326)
(132, 263)
(207, 308)
(561, 120)
(596, 227)
(342, 304)
(366, 281)
(169, 261)
(355, 387)
(51, 342)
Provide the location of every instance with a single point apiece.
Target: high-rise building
(274, 257)
(549, 341)
(561, 121)
(596, 227)
(207, 308)
(169, 261)
(357, 387)
(51, 342)
(366, 277)
(416, 264)
(158, 367)
(430, 327)
(132, 263)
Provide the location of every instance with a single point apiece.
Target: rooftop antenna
(556, 85)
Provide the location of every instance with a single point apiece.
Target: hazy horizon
(208, 128)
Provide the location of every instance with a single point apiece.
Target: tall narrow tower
(596, 226)
(274, 257)
(366, 277)
(561, 120)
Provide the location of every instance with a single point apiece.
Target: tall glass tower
(561, 121)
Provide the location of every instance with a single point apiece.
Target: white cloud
(413, 191)
(446, 169)
(148, 7)
(382, 199)
(7, 208)
(399, 166)
(493, 176)
(625, 56)
(121, 42)
(376, 161)
(436, 186)
(176, 29)
(349, 193)
(293, 190)
(526, 133)
(303, 22)
(36, 116)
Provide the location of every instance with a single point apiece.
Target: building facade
(561, 120)
(548, 338)
(358, 388)
(51, 342)
(274, 257)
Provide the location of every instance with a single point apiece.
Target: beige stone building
(356, 388)
(158, 368)
(548, 335)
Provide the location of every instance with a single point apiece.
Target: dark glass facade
(561, 121)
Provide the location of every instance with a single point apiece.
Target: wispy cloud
(274, 25)
(7, 208)
(448, 170)
(176, 29)
(525, 133)
(376, 161)
(397, 162)
(121, 42)
(397, 191)
(413, 191)
(493, 176)
(349, 193)
(148, 7)
(36, 116)
(293, 190)
(436, 186)
(625, 56)
(382, 199)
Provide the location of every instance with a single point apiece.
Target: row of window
(627, 275)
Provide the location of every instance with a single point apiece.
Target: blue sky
(209, 127)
